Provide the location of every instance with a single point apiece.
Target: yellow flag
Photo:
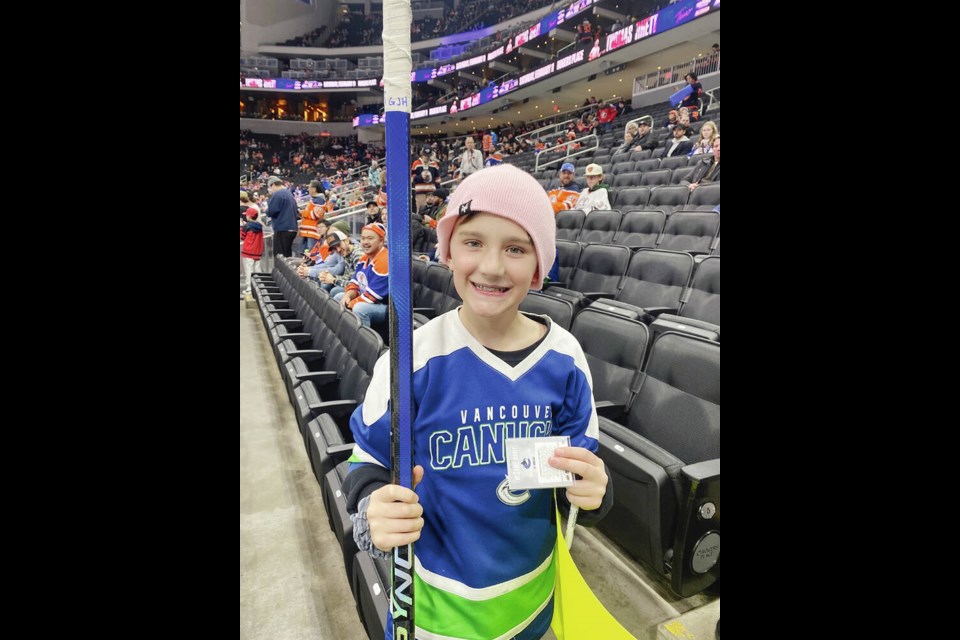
(577, 614)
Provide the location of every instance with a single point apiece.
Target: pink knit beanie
(510, 193)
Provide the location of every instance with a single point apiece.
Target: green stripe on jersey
(446, 614)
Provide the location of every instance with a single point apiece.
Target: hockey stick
(398, 64)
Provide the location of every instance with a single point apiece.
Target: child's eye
(473, 244)
(517, 251)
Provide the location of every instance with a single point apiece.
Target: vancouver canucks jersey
(484, 561)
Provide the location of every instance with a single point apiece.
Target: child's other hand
(395, 515)
(588, 490)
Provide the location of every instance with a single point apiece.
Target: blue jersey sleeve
(577, 417)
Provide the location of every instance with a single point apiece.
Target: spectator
(596, 196)
(313, 212)
(493, 158)
(340, 243)
(332, 264)
(563, 197)
(367, 291)
(373, 213)
(708, 169)
(319, 252)
(252, 235)
(672, 119)
(282, 210)
(423, 185)
(704, 142)
(246, 203)
(643, 138)
(680, 145)
(471, 160)
(373, 175)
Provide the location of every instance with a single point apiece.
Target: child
(482, 373)
(252, 235)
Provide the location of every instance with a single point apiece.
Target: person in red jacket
(251, 233)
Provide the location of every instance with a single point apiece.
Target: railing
(676, 73)
(581, 150)
(714, 103)
(356, 224)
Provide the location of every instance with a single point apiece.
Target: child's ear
(536, 276)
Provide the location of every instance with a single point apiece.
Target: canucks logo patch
(511, 498)
(465, 208)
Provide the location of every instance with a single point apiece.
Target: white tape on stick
(397, 61)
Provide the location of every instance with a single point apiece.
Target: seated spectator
(423, 185)
(563, 197)
(596, 196)
(627, 142)
(373, 213)
(704, 142)
(434, 207)
(340, 243)
(643, 138)
(333, 264)
(671, 120)
(319, 251)
(367, 290)
(708, 169)
(680, 144)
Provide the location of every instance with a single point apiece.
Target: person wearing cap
(423, 185)
(320, 250)
(282, 211)
(251, 251)
(471, 160)
(563, 197)
(313, 212)
(339, 243)
(329, 260)
(596, 195)
(367, 291)
(679, 144)
(643, 139)
(482, 373)
(434, 208)
(373, 213)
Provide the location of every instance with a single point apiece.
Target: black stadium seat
(664, 461)
(569, 224)
(569, 252)
(640, 229)
(560, 311)
(600, 226)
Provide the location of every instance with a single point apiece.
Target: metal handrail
(537, 166)
(714, 100)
